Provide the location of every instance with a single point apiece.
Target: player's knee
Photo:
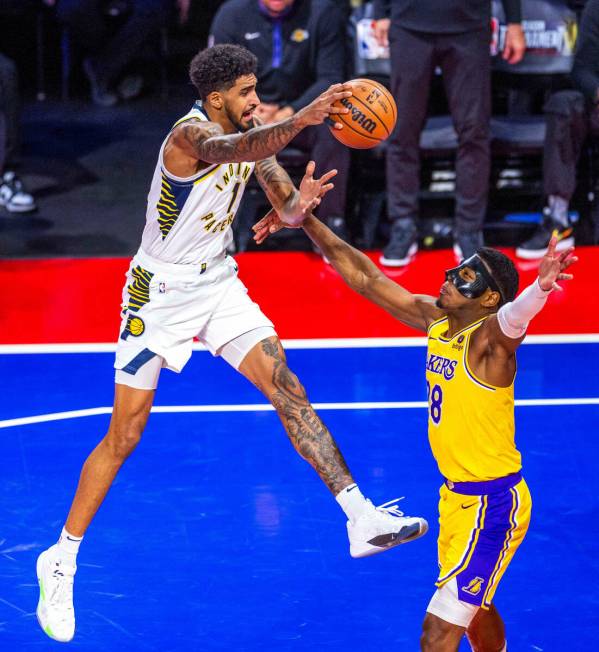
(123, 439)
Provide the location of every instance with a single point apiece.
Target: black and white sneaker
(536, 246)
(382, 528)
(402, 246)
(13, 196)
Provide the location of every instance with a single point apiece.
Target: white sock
(68, 547)
(352, 502)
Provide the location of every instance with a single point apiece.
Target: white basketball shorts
(165, 306)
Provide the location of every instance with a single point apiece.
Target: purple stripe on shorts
(474, 580)
(488, 487)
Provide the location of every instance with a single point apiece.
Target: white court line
(332, 343)
(266, 407)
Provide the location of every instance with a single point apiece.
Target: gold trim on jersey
(208, 173)
(186, 118)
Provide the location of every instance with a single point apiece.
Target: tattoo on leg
(307, 432)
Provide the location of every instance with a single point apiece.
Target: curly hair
(217, 68)
(503, 271)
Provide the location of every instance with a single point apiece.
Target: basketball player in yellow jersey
(181, 284)
(474, 328)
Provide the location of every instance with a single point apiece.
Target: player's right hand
(322, 107)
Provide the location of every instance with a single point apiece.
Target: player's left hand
(311, 191)
(553, 265)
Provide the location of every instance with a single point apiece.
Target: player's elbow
(362, 283)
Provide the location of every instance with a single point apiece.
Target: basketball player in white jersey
(181, 284)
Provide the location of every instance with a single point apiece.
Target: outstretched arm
(291, 204)
(505, 330)
(206, 141)
(363, 276)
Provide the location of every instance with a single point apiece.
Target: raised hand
(322, 107)
(553, 265)
(311, 192)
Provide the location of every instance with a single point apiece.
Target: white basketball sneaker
(55, 612)
(382, 528)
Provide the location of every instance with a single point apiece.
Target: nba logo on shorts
(474, 586)
(162, 288)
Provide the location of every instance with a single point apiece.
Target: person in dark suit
(572, 115)
(454, 35)
(300, 47)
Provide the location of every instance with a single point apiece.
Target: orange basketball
(371, 118)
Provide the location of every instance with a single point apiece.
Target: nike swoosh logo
(470, 505)
(250, 36)
(69, 538)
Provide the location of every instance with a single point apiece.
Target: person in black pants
(13, 196)
(111, 49)
(572, 115)
(300, 47)
(454, 35)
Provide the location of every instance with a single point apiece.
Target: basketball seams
(375, 140)
(374, 113)
(360, 134)
(386, 92)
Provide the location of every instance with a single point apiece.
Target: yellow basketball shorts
(480, 533)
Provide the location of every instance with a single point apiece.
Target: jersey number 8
(435, 399)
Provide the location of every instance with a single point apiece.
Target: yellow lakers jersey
(470, 422)
(188, 220)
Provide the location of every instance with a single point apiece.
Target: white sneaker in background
(382, 528)
(13, 196)
(55, 612)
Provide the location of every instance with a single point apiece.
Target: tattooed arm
(207, 142)
(291, 204)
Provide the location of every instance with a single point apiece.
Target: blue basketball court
(217, 536)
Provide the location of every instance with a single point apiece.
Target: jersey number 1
(234, 197)
(435, 399)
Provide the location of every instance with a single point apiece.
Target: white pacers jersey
(188, 220)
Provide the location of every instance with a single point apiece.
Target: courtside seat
(518, 134)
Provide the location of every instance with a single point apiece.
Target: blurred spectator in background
(13, 196)
(113, 34)
(454, 35)
(300, 46)
(571, 117)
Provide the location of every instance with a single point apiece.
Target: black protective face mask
(473, 289)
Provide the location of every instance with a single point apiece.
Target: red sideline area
(78, 300)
